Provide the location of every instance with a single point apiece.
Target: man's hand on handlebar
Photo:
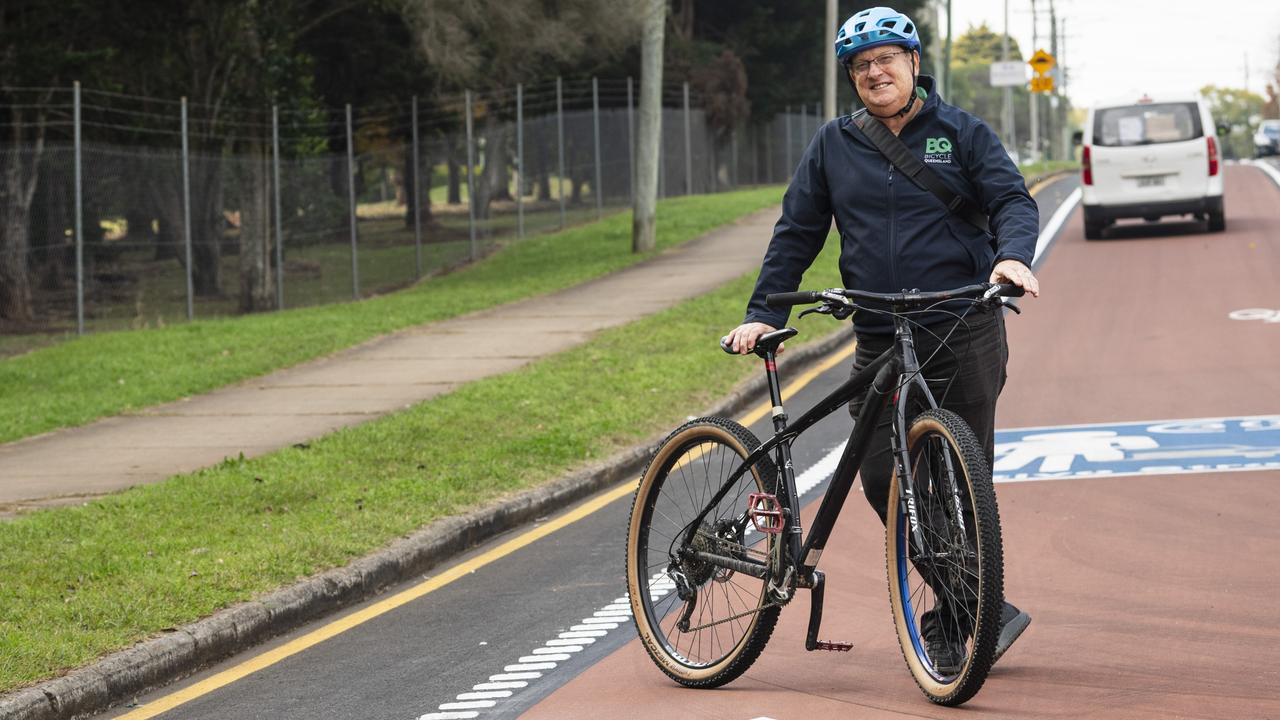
(1015, 273)
(743, 338)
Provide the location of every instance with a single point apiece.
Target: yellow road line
(341, 625)
(1042, 184)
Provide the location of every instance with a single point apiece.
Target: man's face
(884, 77)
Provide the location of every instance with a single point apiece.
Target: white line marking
(566, 642)
(561, 657)
(521, 667)
(515, 676)
(514, 685)
(557, 650)
(1265, 167)
(1055, 223)
(581, 634)
(596, 626)
(450, 715)
(486, 695)
(469, 705)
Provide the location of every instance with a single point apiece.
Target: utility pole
(1034, 99)
(946, 57)
(829, 67)
(1055, 105)
(1006, 115)
(649, 136)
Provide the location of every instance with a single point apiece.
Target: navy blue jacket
(894, 235)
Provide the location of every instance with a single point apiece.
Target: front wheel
(946, 581)
(703, 623)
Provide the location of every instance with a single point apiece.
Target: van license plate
(1151, 181)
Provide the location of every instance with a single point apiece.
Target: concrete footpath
(290, 406)
(381, 376)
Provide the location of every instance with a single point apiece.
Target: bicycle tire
(966, 613)
(683, 475)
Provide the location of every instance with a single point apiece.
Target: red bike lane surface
(1152, 597)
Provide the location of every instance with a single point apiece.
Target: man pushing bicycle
(924, 197)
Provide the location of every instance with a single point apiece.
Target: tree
(1238, 109)
(43, 46)
(643, 222)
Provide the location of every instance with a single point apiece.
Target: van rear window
(1146, 124)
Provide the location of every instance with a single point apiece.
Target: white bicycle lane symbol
(1058, 452)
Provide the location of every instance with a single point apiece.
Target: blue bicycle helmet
(873, 28)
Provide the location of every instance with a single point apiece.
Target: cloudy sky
(1124, 48)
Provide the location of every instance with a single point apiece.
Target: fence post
(688, 145)
(471, 186)
(275, 162)
(520, 160)
(351, 208)
(598, 190)
(560, 135)
(186, 208)
(417, 195)
(80, 218)
(733, 152)
(631, 146)
(786, 142)
(804, 139)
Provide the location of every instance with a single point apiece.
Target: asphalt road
(469, 647)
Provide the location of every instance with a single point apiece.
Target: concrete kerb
(161, 660)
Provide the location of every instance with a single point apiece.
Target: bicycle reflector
(765, 512)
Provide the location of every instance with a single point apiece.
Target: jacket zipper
(893, 237)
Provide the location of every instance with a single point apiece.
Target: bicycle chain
(745, 613)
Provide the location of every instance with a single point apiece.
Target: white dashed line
(587, 631)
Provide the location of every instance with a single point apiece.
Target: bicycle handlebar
(912, 298)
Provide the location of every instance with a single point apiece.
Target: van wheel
(1217, 221)
(1093, 225)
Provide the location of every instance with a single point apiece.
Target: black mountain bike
(715, 546)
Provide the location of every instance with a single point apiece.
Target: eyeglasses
(884, 61)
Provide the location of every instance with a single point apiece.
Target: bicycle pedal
(833, 646)
(765, 512)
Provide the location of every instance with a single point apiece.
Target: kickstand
(811, 641)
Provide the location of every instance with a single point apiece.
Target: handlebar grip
(788, 299)
(1010, 290)
(725, 346)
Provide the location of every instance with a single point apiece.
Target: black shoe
(947, 656)
(1012, 622)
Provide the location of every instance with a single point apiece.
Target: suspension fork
(914, 380)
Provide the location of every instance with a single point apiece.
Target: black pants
(964, 365)
(965, 375)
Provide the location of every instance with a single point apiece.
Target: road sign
(1042, 84)
(1008, 74)
(1042, 62)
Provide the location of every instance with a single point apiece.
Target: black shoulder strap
(919, 173)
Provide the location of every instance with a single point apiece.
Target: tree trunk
(649, 134)
(17, 189)
(492, 178)
(455, 174)
(257, 284)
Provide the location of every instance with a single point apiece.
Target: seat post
(775, 390)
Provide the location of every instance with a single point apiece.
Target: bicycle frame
(895, 372)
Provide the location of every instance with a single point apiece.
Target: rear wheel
(1093, 225)
(702, 624)
(1217, 221)
(946, 592)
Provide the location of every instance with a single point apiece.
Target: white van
(1149, 159)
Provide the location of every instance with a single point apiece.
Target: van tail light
(1087, 167)
(1213, 155)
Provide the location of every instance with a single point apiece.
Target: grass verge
(83, 581)
(100, 375)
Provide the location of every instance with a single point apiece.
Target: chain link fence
(121, 211)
